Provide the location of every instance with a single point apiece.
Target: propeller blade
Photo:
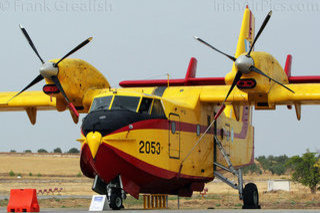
(254, 69)
(234, 83)
(219, 112)
(24, 31)
(212, 47)
(260, 31)
(35, 81)
(75, 49)
(73, 110)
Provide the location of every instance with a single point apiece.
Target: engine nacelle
(77, 78)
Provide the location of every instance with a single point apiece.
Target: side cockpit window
(145, 105)
(102, 103)
(125, 103)
(157, 109)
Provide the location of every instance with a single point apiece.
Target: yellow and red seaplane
(167, 136)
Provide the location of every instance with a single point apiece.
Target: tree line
(304, 169)
(58, 150)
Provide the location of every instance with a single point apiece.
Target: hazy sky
(146, 39)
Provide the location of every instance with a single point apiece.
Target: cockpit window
(157, 109)
(145, 105)
(102, 103)
(125, 102)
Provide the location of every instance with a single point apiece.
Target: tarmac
(190, 210)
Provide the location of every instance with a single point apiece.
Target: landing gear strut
(113, 190)
(115, 194)
(249, 194)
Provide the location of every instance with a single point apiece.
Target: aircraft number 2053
(149, 147)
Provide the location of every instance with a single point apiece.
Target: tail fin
(246, 35)
(245, 41)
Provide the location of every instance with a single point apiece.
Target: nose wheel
(115, 194)
(113, 190)
(116, 201)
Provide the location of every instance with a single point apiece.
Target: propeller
(25, 33)
(212, 47)
(244, 64)
(50, 71)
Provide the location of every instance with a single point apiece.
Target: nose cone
(48, 70)
(243, 63)
(94, 141)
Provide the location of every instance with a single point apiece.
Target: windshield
(157, 109)
(145, 105)
(125, 102)
(102, 103)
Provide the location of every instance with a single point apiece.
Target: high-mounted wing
(217, 94)
(304, 94)
(35, 99)
(30, 101)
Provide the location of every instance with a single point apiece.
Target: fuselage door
(174, 136)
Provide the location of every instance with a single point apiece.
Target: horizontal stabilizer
(189, 80)
(298, 79)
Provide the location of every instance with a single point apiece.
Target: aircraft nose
(94, 141)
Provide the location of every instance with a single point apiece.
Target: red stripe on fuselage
(111, 162)
(185, 127)
(163, 124)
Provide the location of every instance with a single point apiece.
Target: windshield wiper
(100, 108)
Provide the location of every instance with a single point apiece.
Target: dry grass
(43, 171)
(44, 164)
(62, 171)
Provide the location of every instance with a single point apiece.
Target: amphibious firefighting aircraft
(167, 136)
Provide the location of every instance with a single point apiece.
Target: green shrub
(306, 170)
(11, 173)
(73, 151)
(42, 151)
(57, 150)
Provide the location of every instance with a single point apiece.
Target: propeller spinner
(50, 71)
(244, 64)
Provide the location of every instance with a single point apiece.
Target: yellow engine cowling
(271, 67)
(77, 78)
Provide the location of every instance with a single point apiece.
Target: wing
(31, 99)
(30, 102)
(217, 94)
(304, 94)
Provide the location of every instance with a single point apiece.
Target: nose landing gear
(113, 190)
(115, 194)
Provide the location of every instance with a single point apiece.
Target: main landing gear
(113, 190)
(249, 194)
(251, 197)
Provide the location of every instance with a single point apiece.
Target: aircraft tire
(116, 201)
(251, 197)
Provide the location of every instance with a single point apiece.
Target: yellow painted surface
(191, 105)
(27, 99)
(94, 141)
